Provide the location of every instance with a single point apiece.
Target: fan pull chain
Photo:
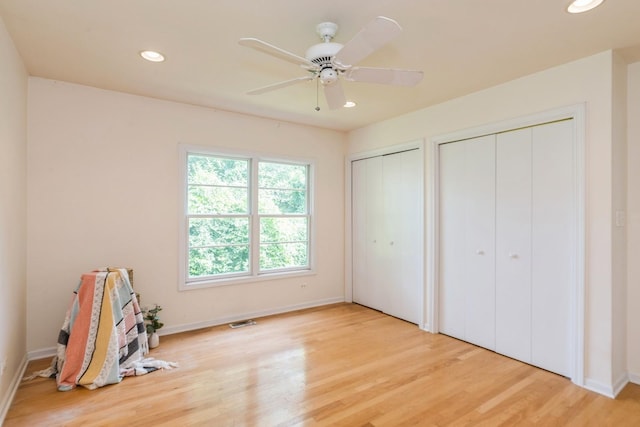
(317, 94)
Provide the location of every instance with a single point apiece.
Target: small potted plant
(153, 323)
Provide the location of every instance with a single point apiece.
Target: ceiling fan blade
(279, 85)
(272, 50)
(387, 76)
(372, 37)
(334, 95)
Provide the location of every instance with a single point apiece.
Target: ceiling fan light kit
(329, 61)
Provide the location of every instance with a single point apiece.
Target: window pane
(218, 231)
(275, 230)
(282, 202)
(219, 260)
(220, 216)
(217, 200)
(283, 242)
(283, 255)
(281, 175)
(211, 170)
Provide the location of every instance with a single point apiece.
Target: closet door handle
(391, 243)
(513, 255)
(480, 252)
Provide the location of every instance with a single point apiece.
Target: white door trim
(577, 309)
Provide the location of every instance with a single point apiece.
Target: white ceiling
(461, 45)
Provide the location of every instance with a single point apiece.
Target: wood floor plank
(338, 365)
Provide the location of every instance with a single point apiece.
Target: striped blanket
(103, 336)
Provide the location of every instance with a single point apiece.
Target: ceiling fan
(328, 61)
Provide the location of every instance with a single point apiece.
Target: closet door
(452, 215)
(368, 233)
(480, 242)
(513, 244)
(553, 234)
(511, 294)
(403, 213)
(467, 240)
(387, 224)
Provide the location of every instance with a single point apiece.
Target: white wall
(588, 81)
(633, 222)
(13, 226)
(103, 190)
(619, 231)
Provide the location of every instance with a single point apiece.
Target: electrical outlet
(303, 285)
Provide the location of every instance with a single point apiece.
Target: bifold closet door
(387, 227)
(553, 241)
(403, 213)
(534, 244)
(513, 244)
(367, 230)
(467, 240)
(507, 242)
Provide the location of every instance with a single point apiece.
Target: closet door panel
(467, 240)
(377, 271)
(359, 231)
(367, 226)
(479, 228)
(552, 243)
(402, 188)
(452, 239)
(513, 244)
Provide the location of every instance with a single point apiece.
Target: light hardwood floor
(339, 365)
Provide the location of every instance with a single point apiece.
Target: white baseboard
(245, 316)
(5, 403)
(608, 390)
(620, 383)
(43, 353)
(598, 387)
(634, 378)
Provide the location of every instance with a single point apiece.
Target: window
(282, 212)
(244, 217)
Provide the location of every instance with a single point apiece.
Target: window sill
(214, 283)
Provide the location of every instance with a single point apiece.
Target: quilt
(103, 337)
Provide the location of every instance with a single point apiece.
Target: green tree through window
(222, 209)
(284, 225)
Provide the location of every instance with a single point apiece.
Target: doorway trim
(577, 309)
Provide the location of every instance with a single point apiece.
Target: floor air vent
(242, 323)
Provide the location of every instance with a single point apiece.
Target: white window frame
(254, 274)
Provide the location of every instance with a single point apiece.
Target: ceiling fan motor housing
(321, 55)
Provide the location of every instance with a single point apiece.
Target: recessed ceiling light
(579, 6)
(349, 104)
(152, 56)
